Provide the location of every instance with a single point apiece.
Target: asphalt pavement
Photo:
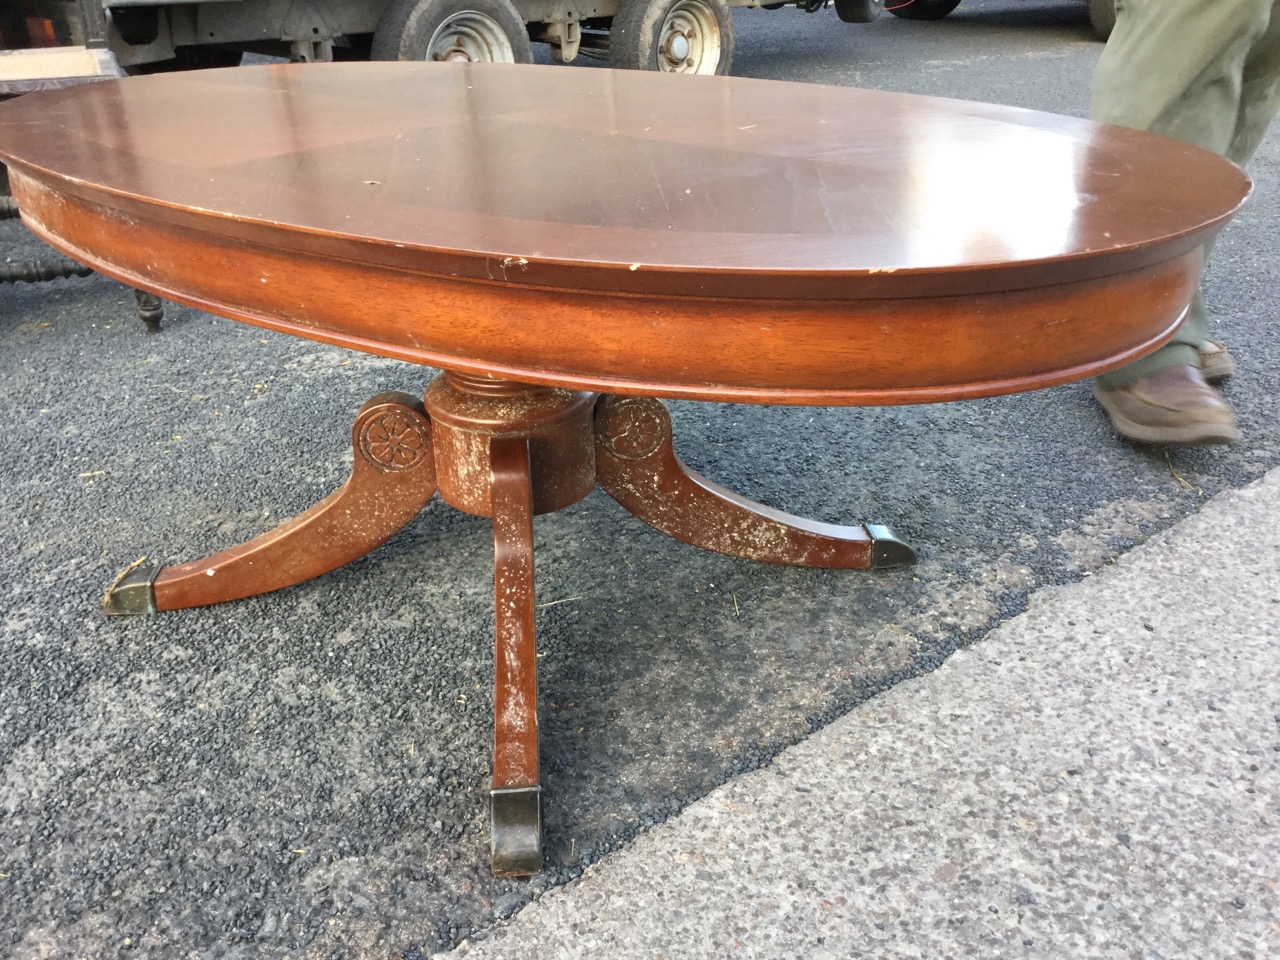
(1097, 778)
(302, 774)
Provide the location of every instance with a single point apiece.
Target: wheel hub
(456, 52)
(677, 48)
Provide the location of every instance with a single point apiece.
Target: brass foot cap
(886, 549)
(133, 592)
(516, 832)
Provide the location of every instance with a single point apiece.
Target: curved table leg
(516, 822)
(392, 480)
(637, 466)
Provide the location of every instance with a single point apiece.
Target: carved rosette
(393, 441)
(632, 428)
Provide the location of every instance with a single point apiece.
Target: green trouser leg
(1204, 71)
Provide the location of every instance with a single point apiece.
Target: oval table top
(750, 195)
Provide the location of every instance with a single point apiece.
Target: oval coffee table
(568, 245)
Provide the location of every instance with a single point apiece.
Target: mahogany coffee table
(568, 245)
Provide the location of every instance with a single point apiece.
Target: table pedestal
(507, 451)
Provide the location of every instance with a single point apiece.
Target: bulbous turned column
(469, 412)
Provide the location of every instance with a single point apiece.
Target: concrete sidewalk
(1100, 777)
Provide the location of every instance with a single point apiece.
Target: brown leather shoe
(1215, 362)
(1173, 405)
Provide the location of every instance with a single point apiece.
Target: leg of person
(1195, 96)
(1259, 102)
(1259, 92)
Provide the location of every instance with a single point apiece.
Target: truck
(113, 37)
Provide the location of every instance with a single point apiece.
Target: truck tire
(923, 9)
(1102, 17)
(859, 11)
(672, 36)
(479, 31)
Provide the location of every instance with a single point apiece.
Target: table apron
(852, 352)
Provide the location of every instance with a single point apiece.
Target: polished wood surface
(709, 237)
